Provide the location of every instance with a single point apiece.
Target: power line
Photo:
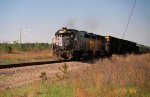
(129, 19)
(127, 24)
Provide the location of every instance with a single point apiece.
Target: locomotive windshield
(64, 33)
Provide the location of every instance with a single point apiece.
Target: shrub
(43, 76)
(64, 70)
(8, 49)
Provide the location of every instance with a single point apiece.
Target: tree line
(24, 47)
(27, 47)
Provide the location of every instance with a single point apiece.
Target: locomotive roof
(74, 31)
(95, 36)
(65, 30)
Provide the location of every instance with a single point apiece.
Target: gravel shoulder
(13, 77)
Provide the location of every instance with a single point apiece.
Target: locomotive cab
(63, 43)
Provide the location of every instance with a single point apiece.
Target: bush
(5, 48)
(144, 49)
(8, 49)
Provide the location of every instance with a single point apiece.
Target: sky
(40, 19)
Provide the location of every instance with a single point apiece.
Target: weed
(64, 70)
(43, 76)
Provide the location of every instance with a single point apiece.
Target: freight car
(71, 43)
(119, 46)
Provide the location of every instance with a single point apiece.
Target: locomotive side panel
(98, 47)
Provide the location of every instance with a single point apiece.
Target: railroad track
(31, 64)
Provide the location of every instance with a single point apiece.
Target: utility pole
(20, 36)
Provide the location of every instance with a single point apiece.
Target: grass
(40, 90)
(10, 77)
(21, 57)
(119, 76)
(58, 90)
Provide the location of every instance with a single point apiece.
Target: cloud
(28, 31)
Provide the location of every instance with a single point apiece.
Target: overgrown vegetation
(20, 57)
(119, 76)
(144, 49)
(24, 47)
(26, 52)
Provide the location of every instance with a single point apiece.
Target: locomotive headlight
(61, 31)
(75, 38)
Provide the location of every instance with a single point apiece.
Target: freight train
(75, 44)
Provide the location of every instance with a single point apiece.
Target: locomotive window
(65, 35)
(69, 31)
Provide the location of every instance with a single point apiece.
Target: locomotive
(72, 43)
